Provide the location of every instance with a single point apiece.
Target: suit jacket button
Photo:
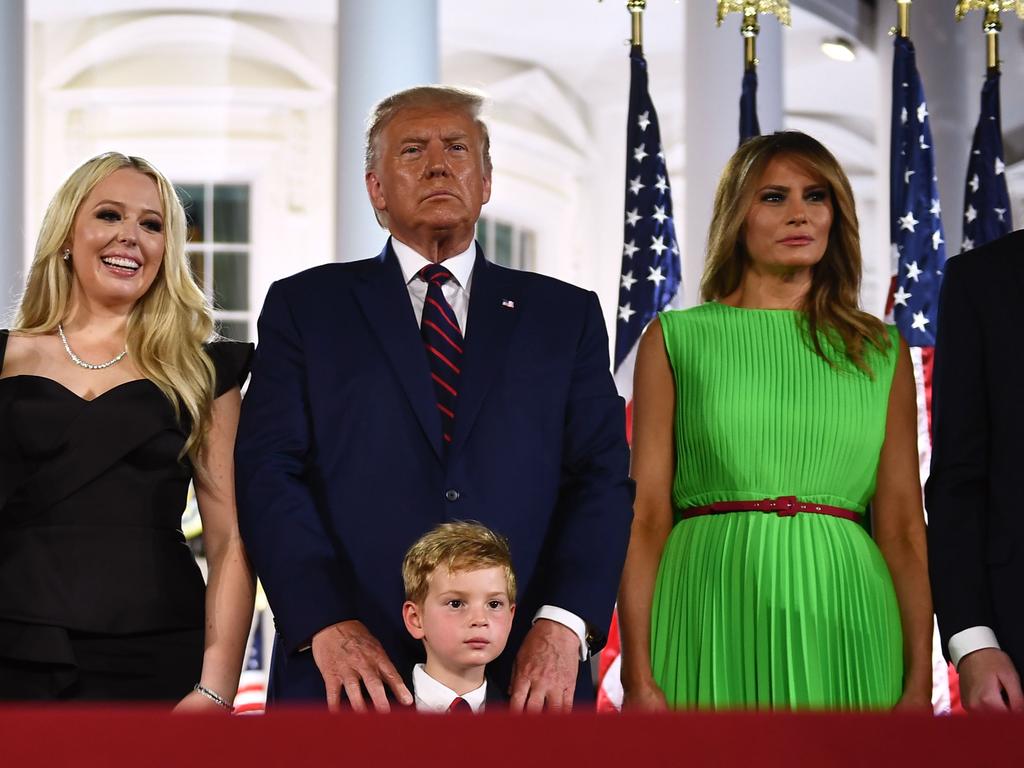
(451, 494)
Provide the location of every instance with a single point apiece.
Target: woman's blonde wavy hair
(166, 327)
(831, 308)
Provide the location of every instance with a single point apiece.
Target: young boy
(460, 598)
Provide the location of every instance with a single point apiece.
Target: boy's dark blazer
(340, 466)
(974, 493)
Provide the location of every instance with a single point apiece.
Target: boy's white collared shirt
(432, 696)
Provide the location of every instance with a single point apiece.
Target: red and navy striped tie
(442, 339)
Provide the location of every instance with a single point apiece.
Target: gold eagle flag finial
(991, 23)
(751, 8)
(992, 8)
(749, 28)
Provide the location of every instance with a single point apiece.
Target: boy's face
(464, 619)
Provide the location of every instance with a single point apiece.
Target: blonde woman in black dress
(111, 403)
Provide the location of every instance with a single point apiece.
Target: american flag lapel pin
(508, 304)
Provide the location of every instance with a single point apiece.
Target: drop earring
(67, 254)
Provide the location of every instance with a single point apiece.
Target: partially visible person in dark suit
(111, 401)
(422, 385)
(975, 522)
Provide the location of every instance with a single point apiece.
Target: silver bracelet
(213, 696)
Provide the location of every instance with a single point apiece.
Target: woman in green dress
(765, 422)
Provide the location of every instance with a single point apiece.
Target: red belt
(784, 506)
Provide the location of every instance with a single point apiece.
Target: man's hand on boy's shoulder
(350, 658)
(544, 675)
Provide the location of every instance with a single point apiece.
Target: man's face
(429, 179)
(464, 620)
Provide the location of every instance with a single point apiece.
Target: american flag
(609, 690)
(251, 698)
(986, 200)
(648, 283)
(749, 125)
(650, 276)
(918, 257)
(915, 226)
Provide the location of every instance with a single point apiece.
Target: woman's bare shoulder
(27, 352)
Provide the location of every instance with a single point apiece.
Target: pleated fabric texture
(754, 610)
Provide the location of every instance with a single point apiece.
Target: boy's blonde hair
(458, 546)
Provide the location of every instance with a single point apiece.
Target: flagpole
(749, 29)
(987, 213)
(749, 124)
(650, 279)
(991, 24)
(636, 10)
(902, 28)
(918, 244)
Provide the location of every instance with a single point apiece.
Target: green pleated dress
(754, 610)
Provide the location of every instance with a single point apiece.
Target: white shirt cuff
(970, 640)
(570, 620)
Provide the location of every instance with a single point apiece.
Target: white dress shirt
(432, 696)
(457, 291)
(970, 640)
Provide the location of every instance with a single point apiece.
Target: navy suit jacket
(975, 524)
(340, 466)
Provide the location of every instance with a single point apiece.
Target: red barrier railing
(93, 736)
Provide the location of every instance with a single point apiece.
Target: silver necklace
(80, 362)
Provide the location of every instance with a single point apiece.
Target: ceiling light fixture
(838, 49)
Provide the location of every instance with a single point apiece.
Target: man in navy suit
(359, 432)
(975, 524)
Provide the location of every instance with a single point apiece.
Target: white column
(877, 254)
(770, 103)
(13, 33)
(383, 47)
(713, 62)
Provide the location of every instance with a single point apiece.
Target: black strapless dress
(100, 596)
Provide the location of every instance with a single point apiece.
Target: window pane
(233, 329)
(525, 249)
(231, 280)
(230, 213)
(502, 244)
(192, 197)
(481, 232)
(198, 266)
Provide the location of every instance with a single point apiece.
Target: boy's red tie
(459, 705)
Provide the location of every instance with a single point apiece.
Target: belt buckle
(784, 506)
